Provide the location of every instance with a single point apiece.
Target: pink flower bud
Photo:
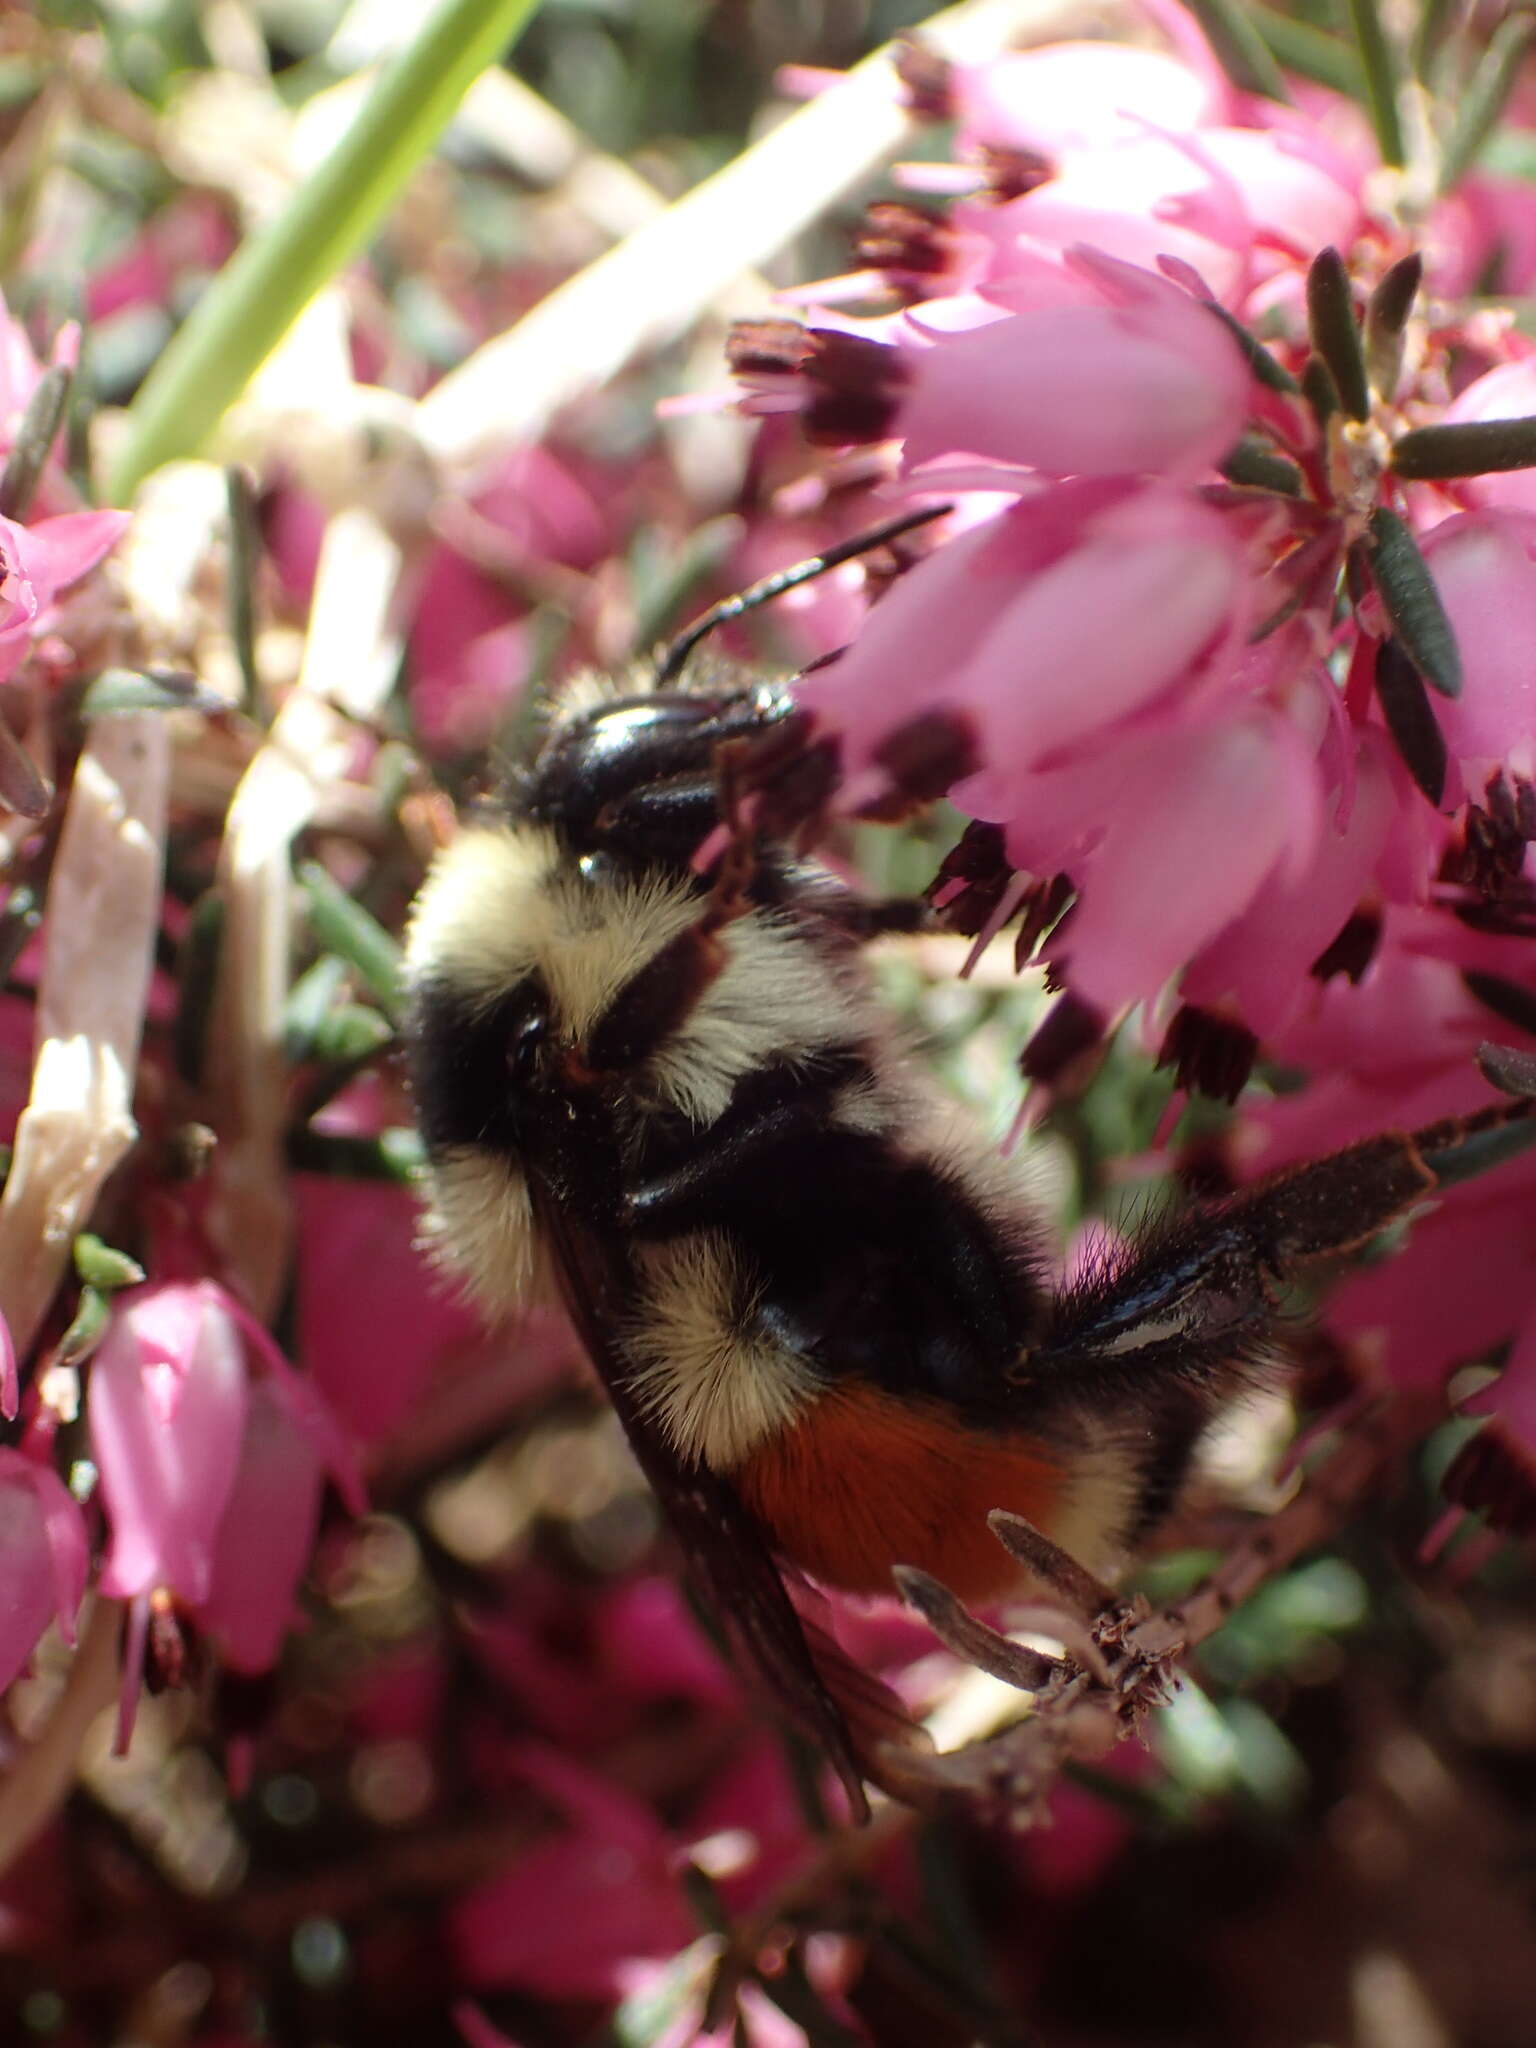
(42, 1558)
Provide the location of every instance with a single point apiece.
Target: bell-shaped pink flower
(1034, 632)
(1200, 818)
(265, 1534)
(42, 1558)
(1258, 965)
(210, 1476)
(1507, 392)
(1140, 199)
(1484, 566)
(1078, 95)
(167, 1408)
(1138, 379)
(1481, 237)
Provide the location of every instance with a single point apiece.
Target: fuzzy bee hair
(506, 906)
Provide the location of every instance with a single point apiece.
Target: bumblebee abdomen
(861, 1480)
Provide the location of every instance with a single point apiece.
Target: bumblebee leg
(655, 1003)
(761, 1153)
(1197, 1301)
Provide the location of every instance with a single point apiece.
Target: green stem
(255, 300)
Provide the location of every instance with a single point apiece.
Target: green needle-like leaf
(1254, 464)
(1408, 591)
(1386, 322)
(134, 689)
(254, 301)
(1487, 92)
(342, 926)
(1466, 448)
(1411, 719)
(244, 564)
(34, 437)
(1240, 50)
(1336, 333)
(1381, 79)
(1267, 368)
(1310, 52)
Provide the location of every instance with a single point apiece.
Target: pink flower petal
(265, 1536)
(10, 1385)
(1076, 95)
(166, 1477)
(1200, 824)
(43, 1556)
(1145, 381)
(1484, 566)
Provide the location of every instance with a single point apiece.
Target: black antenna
(673, 661)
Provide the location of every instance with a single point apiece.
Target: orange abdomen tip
(862, 1480)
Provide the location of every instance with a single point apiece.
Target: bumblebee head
(635, 777)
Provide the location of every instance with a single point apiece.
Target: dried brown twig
(1121, 1657)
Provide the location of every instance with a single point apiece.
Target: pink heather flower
(1507, 392)
(40, 561)
(44, 1552)
(567, 1917)
(1133, 594)
(1258, 964)
(374, 1325)
(267, 1530)
(1196, 819)
(536, 517)
(1074, 96)
(210, 1478)
(1139, 378)
(1140, 199)
(1482, 237)
(167, 1409)
(1484, 566)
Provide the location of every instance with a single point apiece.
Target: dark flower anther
(850, 385)
(1066, 1046)
(1352, 950)
(925, 79)
(923, 758)
(1494, 1474)
(1211, 1054)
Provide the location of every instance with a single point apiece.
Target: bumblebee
(820, 1302)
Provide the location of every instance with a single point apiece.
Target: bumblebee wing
(727, 1551)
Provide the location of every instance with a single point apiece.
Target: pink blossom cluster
(1225, 649)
